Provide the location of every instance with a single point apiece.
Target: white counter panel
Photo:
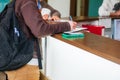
(67, 62)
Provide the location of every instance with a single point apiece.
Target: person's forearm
(112, 14)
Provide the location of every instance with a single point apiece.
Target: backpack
(16, 49)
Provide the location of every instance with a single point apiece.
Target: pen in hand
(70, 18)
(72, 23)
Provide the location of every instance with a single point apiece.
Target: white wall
(61, 5)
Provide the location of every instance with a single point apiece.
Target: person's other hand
(72, 24)
(54, 18)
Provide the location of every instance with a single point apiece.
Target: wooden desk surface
(98, 45)
(84, 18)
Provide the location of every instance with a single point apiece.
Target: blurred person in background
(107, 8)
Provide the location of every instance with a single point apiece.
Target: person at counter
(33, 24)
(107, 8)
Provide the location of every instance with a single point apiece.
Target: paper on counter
(75, 30)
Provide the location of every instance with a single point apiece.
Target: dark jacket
(32, 22)
(54, 12)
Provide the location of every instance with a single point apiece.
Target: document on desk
(62, 20)
(76, 30)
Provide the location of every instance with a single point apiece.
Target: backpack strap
(38, 54)
(39, 4)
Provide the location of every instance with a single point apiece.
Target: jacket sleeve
(37, 25)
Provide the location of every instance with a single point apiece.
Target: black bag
(16, 49)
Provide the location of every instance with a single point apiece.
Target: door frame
(84, 7)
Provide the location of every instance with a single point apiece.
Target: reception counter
(91, 58)
(98, 45)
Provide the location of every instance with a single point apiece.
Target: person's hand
(72, 24)
(45, 12)
(46, 16)
(117, 13)
(54, 18)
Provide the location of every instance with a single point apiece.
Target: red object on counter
(99, 30)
